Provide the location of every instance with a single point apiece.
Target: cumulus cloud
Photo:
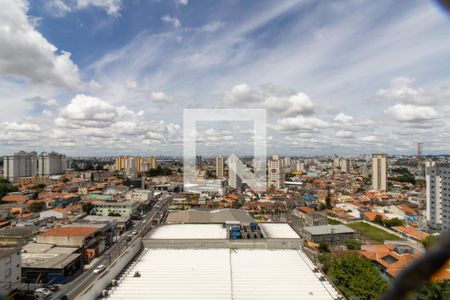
(161, 97)
(94, 122)
(290, 106)
(300, 123)
(175, 22)
(61, 7)
(411, 113)
(24, 52)
(344, 134)
(112, 7)
(341, 117)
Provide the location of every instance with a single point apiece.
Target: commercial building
(219, 167)
(328, 234)
(200, 261)
(16, 236)
(218, 216)
(276, 174)
(379, 172)
(438, 196)
(87, 239)
(122, 208)
(10, 270)
(50, 264)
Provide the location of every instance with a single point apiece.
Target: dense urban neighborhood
(357, 221)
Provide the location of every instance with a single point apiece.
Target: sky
(108, 77)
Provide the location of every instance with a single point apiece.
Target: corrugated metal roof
(223, 274)
(278, 231)
(189, 231)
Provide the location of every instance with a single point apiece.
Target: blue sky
(101, 77)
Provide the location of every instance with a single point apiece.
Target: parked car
(99, 269)
(42, 293)
(134, 232)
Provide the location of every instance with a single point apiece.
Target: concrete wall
(95, 289)
(236, 244)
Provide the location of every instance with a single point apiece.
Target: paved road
(79, 284)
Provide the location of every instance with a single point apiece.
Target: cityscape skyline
(83, 78)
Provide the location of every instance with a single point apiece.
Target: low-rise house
(10, 270)
(87, 239)
(328, 234)
(18, 198)
(16, 236)
(410, 232)
(311, 217)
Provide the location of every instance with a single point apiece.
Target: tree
(66, 180)
(37, 206)
(323, 247)
(378, 219)
(435, 291)
(353, 244)
(430, 240)
(392, 222)
(356, 278)
(6, 187)
(38, 187)
(328, 200)
(87, 207)
(113, 214)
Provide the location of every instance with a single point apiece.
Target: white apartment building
(379, 172)
(51, 163)
(10, 271)
(219, 167)
(276, 173)
(438, 195)
(344, 164)
(139, 195)
(20, 164)
(233, 179)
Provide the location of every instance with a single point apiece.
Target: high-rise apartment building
(234, 180)
(51, 163)
(20, 164)
(276, 173)
(379, 172)
(344, 164)
(219, 167)
(438, 195)
(134, 165)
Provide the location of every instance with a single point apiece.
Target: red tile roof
(15, 198)
(70, 231)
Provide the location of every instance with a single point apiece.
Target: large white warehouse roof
(223, 274)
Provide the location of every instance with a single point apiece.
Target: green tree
(353, 244)
(435, 291)
(113, 214)
(328, 204)
(356, 278)
(37, 206)
(87, 207)
(392, 222)
(378, 219)
(323, 248)
(6, 187)
(430, 240)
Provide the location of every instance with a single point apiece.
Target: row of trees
(355, 277)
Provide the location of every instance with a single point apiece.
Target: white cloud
(175, 22)
(24, 127)
(290, 106)
(341, 117)
(242, 94)
(344, 134)
(300, 123)
(24, 52)
(400, 90)
(131, 84)
(161, 97)
(411, 113)
(182, 2)
(112, 7)
(57, 7)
